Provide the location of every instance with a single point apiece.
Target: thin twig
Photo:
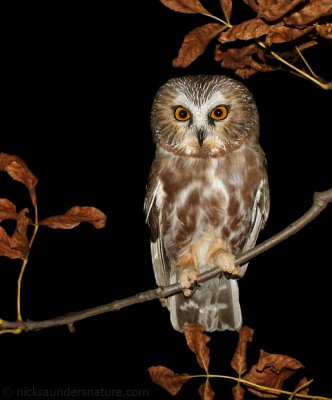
(320, 201)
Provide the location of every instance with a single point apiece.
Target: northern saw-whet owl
(207, 196)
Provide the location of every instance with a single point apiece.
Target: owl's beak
(201, 135)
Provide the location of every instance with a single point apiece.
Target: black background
(78, 84)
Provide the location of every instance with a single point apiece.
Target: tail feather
(214, 304)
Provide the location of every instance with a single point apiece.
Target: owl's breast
(211, 197)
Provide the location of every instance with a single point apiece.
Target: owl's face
(203, 116)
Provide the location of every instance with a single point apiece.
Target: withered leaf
(271, 371)
(239, 360)
(251, 29)
(312, 10)
(294, 54)
(19, 171)
(324, 31)
(167, 379)
(195, 43)
(6, 248)
(19, 239)
(238, 392)
(74, 217)
(7, 210)
(17, 245)
(196, 341)
(205, 391)
(303, 384)
(226, 6)
(240, 59)
(274, 11)
(281, 33)
(185, 6)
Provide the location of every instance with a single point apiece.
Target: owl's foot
(188, 280)
(225, 261)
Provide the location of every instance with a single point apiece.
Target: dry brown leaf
(240, 60)
(239, 360)
(19, 239)
(17, 245)
(294, 54)
(19, 171)
(271, 371)
(313, 10)
(226, 6)
(7, 210)
(280, 33)
(302, 382)
(274, 11)
(238, 392)
(74, 217)
(205, 391)
(185, 6)
(6, 249)
(196, 341)
(324, 31)
(251, 29)
(167, 379)
(195, 43)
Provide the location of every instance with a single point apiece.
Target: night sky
(77, 88)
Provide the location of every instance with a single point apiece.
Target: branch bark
(320, 201)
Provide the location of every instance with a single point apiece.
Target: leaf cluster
(18, 244)
(264, 379)
(247, 47)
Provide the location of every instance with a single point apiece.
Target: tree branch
(320, 201)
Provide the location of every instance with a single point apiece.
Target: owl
(207, 195)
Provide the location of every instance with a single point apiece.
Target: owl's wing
(153, 213)
(260, 212)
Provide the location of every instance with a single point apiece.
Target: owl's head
(203, 116)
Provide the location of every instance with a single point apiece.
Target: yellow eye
(219, 113)
(181, 114)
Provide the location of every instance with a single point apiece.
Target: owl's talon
(229, 275)
(188, 280)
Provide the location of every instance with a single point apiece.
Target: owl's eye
(219, 113)
(181, 114)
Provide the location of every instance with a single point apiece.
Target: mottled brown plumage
(207, 196)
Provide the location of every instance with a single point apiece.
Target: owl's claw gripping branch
(188, 280)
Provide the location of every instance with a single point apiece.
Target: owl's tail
(214, 304)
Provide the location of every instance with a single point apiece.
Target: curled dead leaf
(239, 360)
(74, 217)
(311, 11)
(185, 6)
(238, 392)
(168, 379)
(271, 11)
(251, 29)
(280, 34)
(17, 245)
(205, 391)
(303, 386)
(7, 210)
(271, 371)
(196, 341)
(241, 60)
(17, 169)
(195, 43)
(226, 6)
